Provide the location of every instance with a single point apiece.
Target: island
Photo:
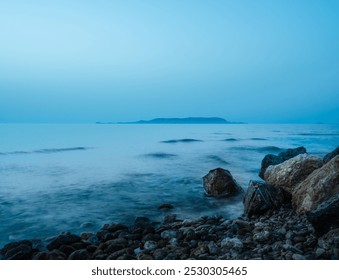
(189, 120)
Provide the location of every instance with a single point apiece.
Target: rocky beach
(292, 214)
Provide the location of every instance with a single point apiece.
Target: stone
(320, 186)
(220, 182)
(325, 216)
(330, 243)
(115, 245)
(331, 155)
(261, 197)
(166, 207)
(115, 227)
(21, 250)
(270, 159)
(63, 239)
(168, 234)
(81, 254)
(292, 171)
(262, 236)
(298, 257)
(234, 242)
(170, 218)
(142, 221)
(213, 248)
(150, 245)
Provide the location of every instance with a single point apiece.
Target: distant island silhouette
(189, 120)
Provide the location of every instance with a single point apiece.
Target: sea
(76, 177)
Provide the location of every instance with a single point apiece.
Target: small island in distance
(189, 120)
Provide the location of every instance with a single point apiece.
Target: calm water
(56, 178)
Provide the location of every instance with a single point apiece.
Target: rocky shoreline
(291, 215)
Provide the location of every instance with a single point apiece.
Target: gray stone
(150, 245)
(298, 257)
(293, 171)
(262, 237)
(270, 159)
(320, 186)
(168, 234)
(232, 243)
(220, 182)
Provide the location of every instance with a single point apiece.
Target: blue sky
(87, 61)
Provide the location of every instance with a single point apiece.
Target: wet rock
(150, 245)
(81, 254)
(320, 186)
(165, 207)
(170, 218)
(293, 171)
(262, 237)
(231, 243)
(331, 155)
(270, 159)
(298, 257)
(219, 182)
(21, 250)
(115, 227)
(63, 239)
(51, 255)
(213, 249)
(168, 234)
(325, 216)
(115, 245)
(142, 221)
(261, 197)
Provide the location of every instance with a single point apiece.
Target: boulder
(291, 172)
(63, 239)
(318, 187)
(280, 158)
(326, 215)
(331, 155)
(261, 197)
(220, 182)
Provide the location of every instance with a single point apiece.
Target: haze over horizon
(244, 61)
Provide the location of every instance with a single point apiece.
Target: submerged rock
(220, 182)
(292, 171)
(261, 197)
(281, 157)
(321, 185)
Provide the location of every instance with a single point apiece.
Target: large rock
(261, 197)
(331, 155)
(280, 158)
(326, 215)
(63, 239)
(321, 185)
(291, 172)
(220, 182)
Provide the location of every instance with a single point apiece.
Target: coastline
(273, 230)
